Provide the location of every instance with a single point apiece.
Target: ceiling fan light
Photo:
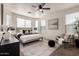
(41, 10)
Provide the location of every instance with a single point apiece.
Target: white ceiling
(24, 8)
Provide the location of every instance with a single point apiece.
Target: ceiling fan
(40, 7)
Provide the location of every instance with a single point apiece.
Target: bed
(30, 38)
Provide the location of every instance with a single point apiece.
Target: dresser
(9, 47)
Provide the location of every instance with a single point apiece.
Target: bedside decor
(53, 24)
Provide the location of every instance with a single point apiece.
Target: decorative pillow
(27, 32)
(23, 31)
(18, 36)
(60, 41)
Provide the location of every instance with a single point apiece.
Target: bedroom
(28, 22)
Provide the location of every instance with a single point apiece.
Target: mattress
(29, 38)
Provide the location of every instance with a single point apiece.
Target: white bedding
(28, 38)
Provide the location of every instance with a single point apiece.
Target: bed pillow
(27, 32)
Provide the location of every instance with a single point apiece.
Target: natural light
(23, 23)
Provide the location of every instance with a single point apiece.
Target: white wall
(51, 34)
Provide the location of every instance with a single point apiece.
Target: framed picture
(53, 24)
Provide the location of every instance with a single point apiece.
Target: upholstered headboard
(20, 29)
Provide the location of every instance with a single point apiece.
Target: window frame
(24, 20)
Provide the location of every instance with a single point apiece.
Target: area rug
(37, 49)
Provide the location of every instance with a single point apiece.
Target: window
(8, 20)
(28, 23)
(20, 22)
(23, 23)
(36, 26)
(71, 21)
(36, 23)
(40, 25)
(43, 23)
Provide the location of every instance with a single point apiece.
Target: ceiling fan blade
(46, 8)
(34, 6)
(43, 4)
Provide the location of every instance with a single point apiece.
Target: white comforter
(28, 38)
